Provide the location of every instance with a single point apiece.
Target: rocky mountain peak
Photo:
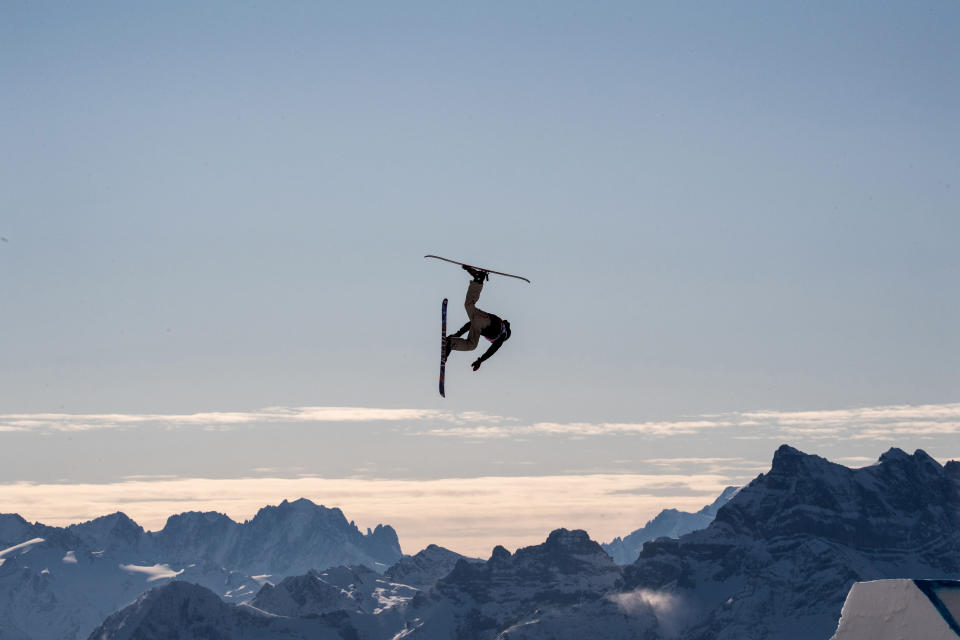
(425, 568)
(725, 496)
(196, 518)
(788, 461)
(175, 610)
(14, 530)
(919, 462)
(576, 541)
(193, 524)
(500, 553)
(108, 532)
(383, 535)
(893, 454)
(302, 508)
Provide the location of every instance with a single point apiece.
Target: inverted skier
(480, 323)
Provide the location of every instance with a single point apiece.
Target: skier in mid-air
(480, 323)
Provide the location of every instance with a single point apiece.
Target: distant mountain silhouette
(669, 523)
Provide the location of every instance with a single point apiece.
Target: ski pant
(479, 320)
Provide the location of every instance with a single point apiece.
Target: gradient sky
(730, 214)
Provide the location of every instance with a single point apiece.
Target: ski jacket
(493, 330)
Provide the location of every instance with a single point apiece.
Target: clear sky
(730, 214)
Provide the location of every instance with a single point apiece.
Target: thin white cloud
(575, 429)
(884, 422)
(216, 419)
(466, 417)
(855, 461)
(678, 461)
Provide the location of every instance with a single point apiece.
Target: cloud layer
(214, 419)
(469, 515)
(884, 422)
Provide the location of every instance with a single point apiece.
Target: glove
(476, 364)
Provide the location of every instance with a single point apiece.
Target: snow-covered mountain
(294, 537)
(669, 523)
(342, 602)
(775, 564)
(69, 579)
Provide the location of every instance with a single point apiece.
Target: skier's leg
(473, 294)
(478, 320)
(478, 324)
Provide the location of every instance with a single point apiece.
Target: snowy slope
(669, 523)
(901, 610)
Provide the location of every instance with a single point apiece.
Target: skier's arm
(492, 349)
(462, 331)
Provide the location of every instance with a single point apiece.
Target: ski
(443, 346)
(499, 273)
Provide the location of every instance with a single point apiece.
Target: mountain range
(775, 563)
(68, 579)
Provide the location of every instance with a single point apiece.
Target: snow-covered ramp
(901, 610)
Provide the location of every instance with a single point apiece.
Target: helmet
(506, 329)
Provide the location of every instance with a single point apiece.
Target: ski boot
(446, 349)
(479, 275)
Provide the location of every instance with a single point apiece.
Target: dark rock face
(480, 600)
(790, 544)
(567, 563)
(193, 535)
(14, 530)
(177, 610)
(902, 502)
